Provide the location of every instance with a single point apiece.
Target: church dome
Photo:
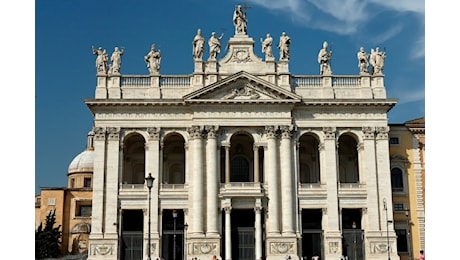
(83, 162)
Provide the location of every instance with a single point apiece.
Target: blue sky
(65, 71)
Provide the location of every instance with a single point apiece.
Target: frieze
(142, 115)
(204, 248)
(333, 247)
(102, 249)
(379, 247)
(281, 248)
(348, 115)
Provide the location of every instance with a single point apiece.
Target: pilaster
(287, 196)
(369, 166)
(111, 182)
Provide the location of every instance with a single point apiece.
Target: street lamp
(388, 221)
(174, 213)
(409, 247)
(353, 225)
(149, 181)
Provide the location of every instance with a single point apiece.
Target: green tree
(48, 239)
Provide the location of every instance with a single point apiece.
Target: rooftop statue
(153, 60)
(198, 46)
(324, 60)
(377, 60)
(239, 20)
(116, 61)
(285, 42)
(102, 60)
(363, 61)
(267, 46)
(214, 45)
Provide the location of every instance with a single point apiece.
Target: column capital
(382, 132)
(369, 132)
(271, 131)
(329, 132)
(113, 133)
(287, 131)
(99, 133)
(195, 132)
(211, 131)
(154, 133)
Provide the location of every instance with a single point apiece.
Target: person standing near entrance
(422, 255)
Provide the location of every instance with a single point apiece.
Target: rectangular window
(398, 207)
(87, 183)
(394, 140)
(83, 209)
(401, 241)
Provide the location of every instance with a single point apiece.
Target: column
(367, 158)
(97, 217)
(384, 175)
(287, 201)
(273, 188)
(197, 188)
(111, 203)
(258, 228)
(256, 165)
(228, 233)
(212, 182)
(227, 164)
(152, 165)
(331, 219)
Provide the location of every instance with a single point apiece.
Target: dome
(83, 162)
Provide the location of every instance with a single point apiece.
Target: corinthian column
(98, 183)
(212, 182)
(197, 190)
(273, 188)
(287, 200)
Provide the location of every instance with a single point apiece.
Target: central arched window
(239, 169)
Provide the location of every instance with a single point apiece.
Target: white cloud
(339, 16)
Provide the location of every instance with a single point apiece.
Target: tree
(48, 239)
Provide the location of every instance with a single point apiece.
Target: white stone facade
(241, 141)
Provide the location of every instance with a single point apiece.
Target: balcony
(241, 189)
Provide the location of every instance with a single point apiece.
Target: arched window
(134, 159)
(174, 159)
(348, 160)
(309, 159)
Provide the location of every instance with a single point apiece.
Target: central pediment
(242, 87)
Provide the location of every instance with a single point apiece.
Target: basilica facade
(249, 161)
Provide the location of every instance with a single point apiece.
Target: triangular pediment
(242, 87)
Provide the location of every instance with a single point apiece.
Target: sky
(48, 70)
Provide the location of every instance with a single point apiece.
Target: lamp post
(185, 240)
(174, 213)
(149, 181)
(353, 225)
(388, 235)
(409, 247)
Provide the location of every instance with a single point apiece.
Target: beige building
(407, 153)
(249, 161)
(72, 204)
